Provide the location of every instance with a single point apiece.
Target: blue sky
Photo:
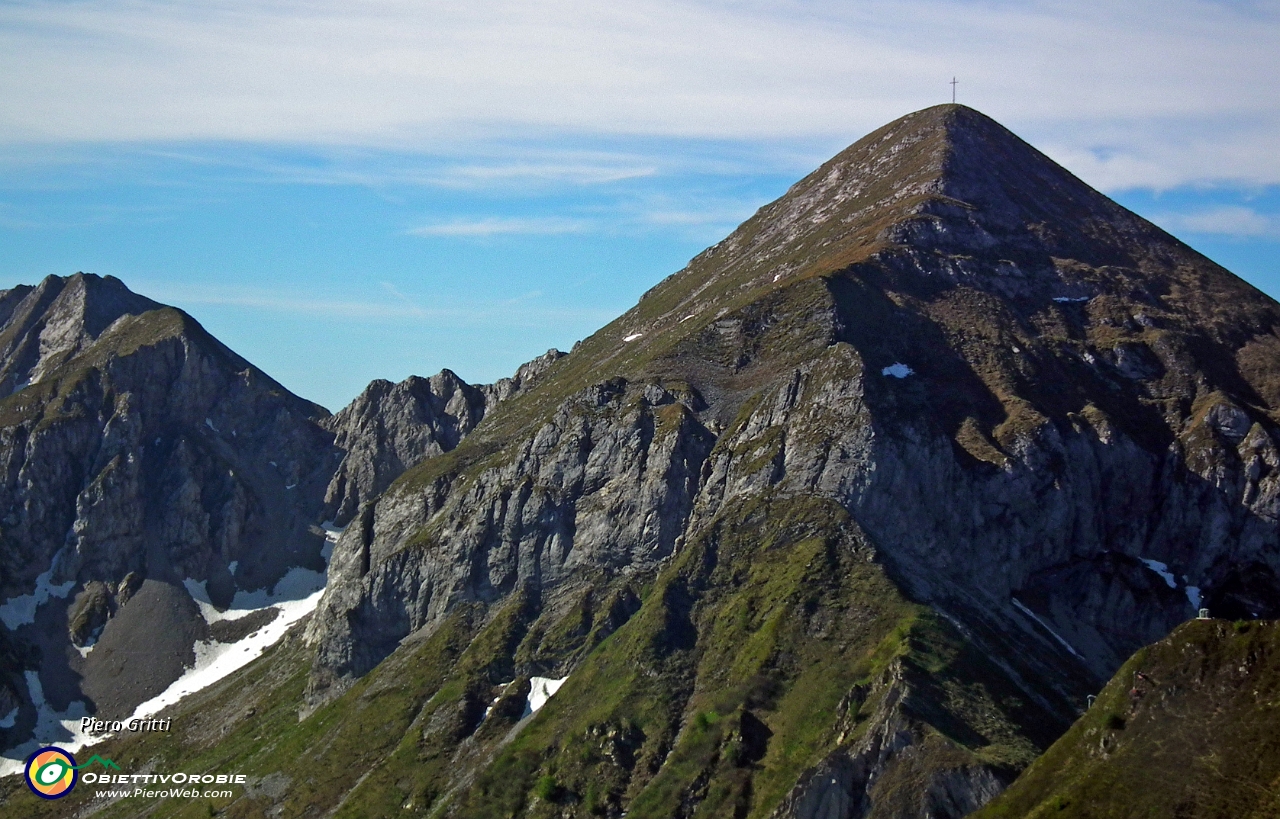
(346, 191)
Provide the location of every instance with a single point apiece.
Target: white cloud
(525, 310)
(1140, 93)
(338, 308)
(1227, 220)
(539, 173)
(497, 226)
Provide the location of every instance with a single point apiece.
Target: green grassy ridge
(248, 723)
(761, 649)
(390, 741)
(1201, 738)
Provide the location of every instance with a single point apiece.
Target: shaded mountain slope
(842, 520)
(131, 460)
(1189, 727)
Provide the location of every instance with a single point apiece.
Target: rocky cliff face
(389, 428)
(136, 453)
(1055, 423)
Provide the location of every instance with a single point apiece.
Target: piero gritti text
(89, 725)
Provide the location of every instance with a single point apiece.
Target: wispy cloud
(526, 310)
(1236, 221)
(526, 168)
(538, 173)
(332, 308)
(640, 215)
(498, 226)
(1144, 92)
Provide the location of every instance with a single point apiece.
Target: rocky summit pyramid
(845, 519)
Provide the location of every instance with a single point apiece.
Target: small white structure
(1203, 615)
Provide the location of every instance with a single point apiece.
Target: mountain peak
(43, 326)
(944, 178)
(941, 197)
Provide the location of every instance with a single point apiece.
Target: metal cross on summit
(953, 90)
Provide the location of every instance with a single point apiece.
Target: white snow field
(294, 596)
(1162, 570)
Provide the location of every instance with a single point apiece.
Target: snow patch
(295, 595)
(497, 699)
(1071, 299)
(1162, 570)
(541, 689)
(216, 660)
(290, 485)
(90, 643)
(210, 425)
(898, 370)
(232, 566)
(686, 318)
(331, 535)
(1193, 597)
(297, 584)
(632, 337)
(21, 610)
(60, 727)
(10, 718)
(1055, 634)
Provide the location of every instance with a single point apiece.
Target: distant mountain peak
(45, 325)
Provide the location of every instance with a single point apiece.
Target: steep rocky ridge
(1187, 728)
(136, 452)
(389, 428)
(844, 519)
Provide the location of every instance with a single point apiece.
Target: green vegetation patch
(1188, 727)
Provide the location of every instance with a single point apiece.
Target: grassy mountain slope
(1189, 727)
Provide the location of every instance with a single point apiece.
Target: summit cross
(953, 90)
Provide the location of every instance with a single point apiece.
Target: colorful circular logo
(51, 773)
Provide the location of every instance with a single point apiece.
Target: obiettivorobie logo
(51, 772)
